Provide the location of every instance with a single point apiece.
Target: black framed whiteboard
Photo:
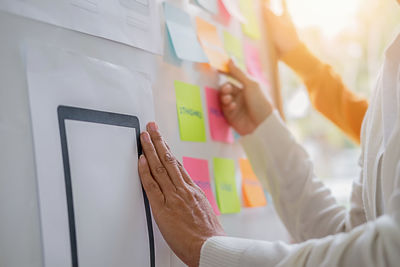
(106, 222)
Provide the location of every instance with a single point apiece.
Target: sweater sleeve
(335, 237)
(305, 205)
(327, 92)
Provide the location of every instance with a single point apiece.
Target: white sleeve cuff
(272, 128)
(223, 251)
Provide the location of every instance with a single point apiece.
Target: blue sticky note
(183, 35)
(210, 5)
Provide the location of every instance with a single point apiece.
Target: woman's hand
(282, 30)
(180, 208)
(244, 108)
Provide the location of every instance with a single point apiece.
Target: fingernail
(142, 160)
(145, 137)
(153, 126)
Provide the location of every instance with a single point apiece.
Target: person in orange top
(326, 90)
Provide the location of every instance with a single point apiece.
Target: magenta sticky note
(198, 171)
(253, 63)
(219, 127)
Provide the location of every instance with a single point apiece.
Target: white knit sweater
(326, 233)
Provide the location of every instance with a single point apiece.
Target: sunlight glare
(330, 16)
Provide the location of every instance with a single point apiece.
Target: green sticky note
(251, 28)
(225, 185)
(233, 46)
(190, 112)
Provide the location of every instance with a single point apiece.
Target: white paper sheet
(132, 22)
(104, 178)
(57, 77)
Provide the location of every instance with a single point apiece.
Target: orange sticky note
(253, 193)
(212, 45)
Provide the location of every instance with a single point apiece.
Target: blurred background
(350, 35)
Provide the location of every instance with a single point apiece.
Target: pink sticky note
(223, 16)
(253, 63)
(198, 171)
(219, 127)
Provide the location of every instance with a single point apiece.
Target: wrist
(263, 113)
(196, 246)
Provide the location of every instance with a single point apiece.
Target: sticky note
(210, 5)
(253, 193)
(253, 63)
(219, 127)
(198, 171)
(212, 44)
(233, 46)
(182, 34)
(232, 7)
(251, 27)
(190, 112)
(225, 185)
(223, 15)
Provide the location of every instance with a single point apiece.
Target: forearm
(327, 91)
(373, 244)
(304, 204)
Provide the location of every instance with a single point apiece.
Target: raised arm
(326, 90)
(304, 204)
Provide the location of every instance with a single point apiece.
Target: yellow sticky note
(251, 28)
(190, 112)
(253, 193)
(225, 185)
(212, 45)
(233, 46)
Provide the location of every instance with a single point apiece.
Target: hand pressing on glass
(244, 107)
(180, 208)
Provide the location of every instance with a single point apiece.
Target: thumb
(237, 73)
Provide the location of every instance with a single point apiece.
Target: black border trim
(87, 115)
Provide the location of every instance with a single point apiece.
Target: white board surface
(20, 227)
(110, 218)
(55, 78)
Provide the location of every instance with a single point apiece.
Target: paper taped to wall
(132, 22)
(102, 160)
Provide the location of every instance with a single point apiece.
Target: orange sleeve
(327, 92)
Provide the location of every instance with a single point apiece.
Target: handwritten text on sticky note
(219, 128)
(190, 112)
(253, 193)
(225, 185)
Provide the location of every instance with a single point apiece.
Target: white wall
(20, 241)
